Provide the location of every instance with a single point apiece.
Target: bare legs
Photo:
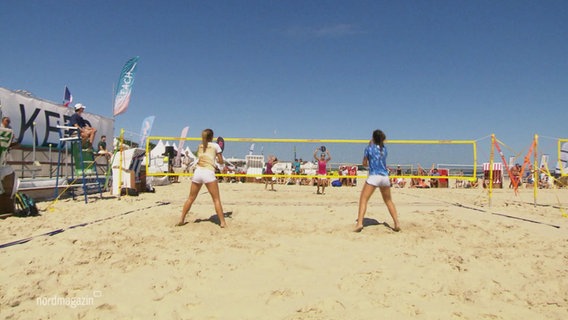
(194, 189)
(322, 182)
(366, 194)
(269, 180)
(88, 133)
(213, 188)
(386, 193)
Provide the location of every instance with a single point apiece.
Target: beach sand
(290, 254)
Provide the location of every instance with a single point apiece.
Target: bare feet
(396, 229)
(358, 228)
(181, 223)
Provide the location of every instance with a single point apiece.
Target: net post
(535, 167)
(491, 154)
(474, 160)
(121, 141)
(147, 155)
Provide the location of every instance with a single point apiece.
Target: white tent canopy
(157, 158)
(188, 151)
(158, 150)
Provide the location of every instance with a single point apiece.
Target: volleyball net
(247, 157)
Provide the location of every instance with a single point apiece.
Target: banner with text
(124, 86)
(25, 111)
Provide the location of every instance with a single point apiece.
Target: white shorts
(378, 181)
(202, 175)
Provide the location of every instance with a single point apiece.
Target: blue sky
(303, 69)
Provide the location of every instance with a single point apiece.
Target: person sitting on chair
(87, 132)
(102, 146)
(433, 181)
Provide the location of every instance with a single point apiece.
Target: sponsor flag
(67, 97)
(124, 86)
(181, 142)
(145, 130)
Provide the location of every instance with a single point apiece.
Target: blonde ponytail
(206, 137)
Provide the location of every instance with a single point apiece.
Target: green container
(88, 160)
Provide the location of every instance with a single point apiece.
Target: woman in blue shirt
(375, 158)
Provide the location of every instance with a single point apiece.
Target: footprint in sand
(283, 294)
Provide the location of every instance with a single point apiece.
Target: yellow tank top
(206, 159)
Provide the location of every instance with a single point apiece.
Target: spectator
(102, 148)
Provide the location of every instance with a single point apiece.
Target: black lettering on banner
(26, 123)
(49, 127)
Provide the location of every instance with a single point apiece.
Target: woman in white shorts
(375, 157)
(204, 173)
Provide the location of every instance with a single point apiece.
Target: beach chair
(443, 182)
(254, 165)
(497, 175)
(133, 173)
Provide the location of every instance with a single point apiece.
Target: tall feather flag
(67, 97)
(181, 143)
(145, 130)
(124, 86)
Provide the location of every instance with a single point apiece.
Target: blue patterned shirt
(377, 160)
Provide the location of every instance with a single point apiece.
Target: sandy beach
(290, 254)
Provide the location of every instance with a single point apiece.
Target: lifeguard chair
(84, 173)
(497, 175)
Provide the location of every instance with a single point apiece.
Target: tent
(158, 150)
(157, 158)
(188, 151)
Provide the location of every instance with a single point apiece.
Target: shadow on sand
(373, 222)
(214, 219)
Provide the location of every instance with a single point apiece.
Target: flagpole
(112, 111)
